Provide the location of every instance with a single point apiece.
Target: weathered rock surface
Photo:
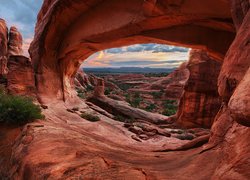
(239, 103)
(200, 101)
(20, 77)
(3, 47)
(65, 146)
(10, 44)
(15, 42)
(16, 71)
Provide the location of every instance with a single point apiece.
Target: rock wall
(230, 130)
(200, 101)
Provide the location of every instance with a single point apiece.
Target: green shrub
(89, 88)
(107, 91)
(90, 117)
(81, 95)
(127, 97)
(123, 119)
(157, 95)
(170, 107)
(18, 110)
(135, 100)
(150, 107)
(124, 87)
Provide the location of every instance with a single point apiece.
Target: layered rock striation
(200, 101)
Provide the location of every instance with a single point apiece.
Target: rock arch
(67, 32)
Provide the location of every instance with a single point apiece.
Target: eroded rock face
(20, 76)
(16, 71)
(3, 47)
(69, 32)
(10, 44)
(200, 102)
(15, 42)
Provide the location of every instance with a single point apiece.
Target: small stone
(70, 110)
(143, 137)
(44, 106)
(135, 138)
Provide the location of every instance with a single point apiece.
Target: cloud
(111, 58)
(155, 48)
(21, 13)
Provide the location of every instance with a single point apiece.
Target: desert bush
(157, 95)
(80, 93)
(135, 102)
(89, 88)
(90, 117)
(124, 87)
(123, 119)
(18, 110)
(150, 107)
(107, 91)
(170, 107)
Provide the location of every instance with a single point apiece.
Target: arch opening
(150, 77)
(60, 46)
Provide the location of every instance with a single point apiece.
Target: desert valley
(60, 119)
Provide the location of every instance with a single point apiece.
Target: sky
(23, 13)
(139, 55)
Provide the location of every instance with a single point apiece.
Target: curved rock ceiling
(67, 32)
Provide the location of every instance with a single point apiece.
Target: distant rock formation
(200, 101)
(15, 69)
(15, 42)
(3, 47)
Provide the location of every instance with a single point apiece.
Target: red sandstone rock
(239, 103)
(3, 47)
(99, 88)
(200, 101)
(15, 42)
(124, 109)
(20, 76)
